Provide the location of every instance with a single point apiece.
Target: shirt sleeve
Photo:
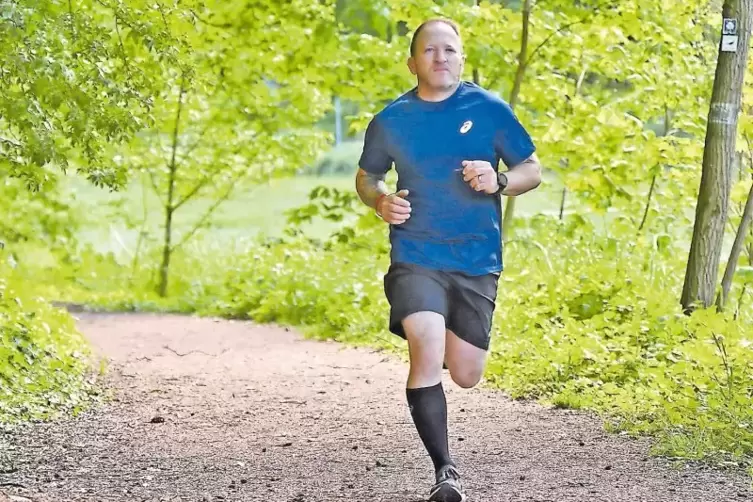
(375, 157)
(512, 142)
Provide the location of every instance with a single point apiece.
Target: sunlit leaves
(44, 368)
(75, 79)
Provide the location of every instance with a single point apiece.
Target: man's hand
(393, 208)
(481, 175)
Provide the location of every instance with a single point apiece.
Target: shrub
(45, 364)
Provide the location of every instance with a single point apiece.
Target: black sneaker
(448, 487)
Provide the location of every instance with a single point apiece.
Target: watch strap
(501, 182)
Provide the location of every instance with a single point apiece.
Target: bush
(44, 361)
(41, 218)
(593, 322)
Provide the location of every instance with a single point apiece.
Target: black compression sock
(428, 408)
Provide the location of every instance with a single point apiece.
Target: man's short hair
(416, 33)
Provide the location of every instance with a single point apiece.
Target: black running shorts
(466, 302)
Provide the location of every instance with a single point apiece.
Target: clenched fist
(394, 208)
(481, 175)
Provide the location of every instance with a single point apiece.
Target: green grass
(251, 212)
(113, 219)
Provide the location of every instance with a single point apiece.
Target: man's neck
(429, 94)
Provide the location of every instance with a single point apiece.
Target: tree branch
(122, 47)
(209, 23)
(10, 142)
(195, 145)
(172, 166)
(201, 184)
(737, 246)
(209, 213)
(740, 301)
(115, 12)
(596, 11)
(142, 231)
(667, 128)
(162, 12)
(154, 187)
(492, 81)
(70, 13)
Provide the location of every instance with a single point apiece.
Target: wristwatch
(501, 181)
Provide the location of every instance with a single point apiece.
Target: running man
(445, 137)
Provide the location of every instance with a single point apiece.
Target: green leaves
(42, 219)
(44, 369)
(73, 82)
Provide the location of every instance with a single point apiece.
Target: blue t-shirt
(451, 227)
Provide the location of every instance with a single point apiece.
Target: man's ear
(412, 65)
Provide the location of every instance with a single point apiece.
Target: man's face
(438, 58)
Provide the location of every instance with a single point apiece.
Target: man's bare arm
(393, 208)
(523, 177)
(370, 187)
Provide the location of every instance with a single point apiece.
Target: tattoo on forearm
(369, 187)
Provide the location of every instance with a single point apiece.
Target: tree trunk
(476, 76)
(169, 205)
(166, 253)
(737, 247)
(519, 74)
(718, 159)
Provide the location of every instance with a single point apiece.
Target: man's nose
(440, 56)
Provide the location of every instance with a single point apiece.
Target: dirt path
(256, 413)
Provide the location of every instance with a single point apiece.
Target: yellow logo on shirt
(466, 126)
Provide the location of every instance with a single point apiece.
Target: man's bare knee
(466, 379)
(465, 361)
(426, 343)
(426, 327)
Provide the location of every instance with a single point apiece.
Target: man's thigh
(471, 305)
(461, 354)
(467, 337)
(412, 290)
